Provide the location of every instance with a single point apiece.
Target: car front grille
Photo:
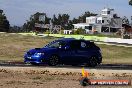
(29, 53)
(30, 59)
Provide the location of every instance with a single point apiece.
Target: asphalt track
(100, 67)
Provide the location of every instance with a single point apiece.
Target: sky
(18, 11)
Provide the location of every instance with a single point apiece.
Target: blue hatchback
(65, 51)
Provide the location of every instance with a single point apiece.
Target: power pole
(51, 27)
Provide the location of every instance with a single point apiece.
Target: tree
(55, 20)
(130, 2)
(25, 27)
(79, 31)
(65, 18)
(125, 20)
(61, 19)
(47, 20)
(4, 23)
(82, 18)
(70, 25)
(15, 29)
(75, 21)
(40, 18)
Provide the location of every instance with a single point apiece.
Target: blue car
(68, 51)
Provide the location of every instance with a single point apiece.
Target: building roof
(107, 9)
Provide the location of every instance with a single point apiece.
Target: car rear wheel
(74, 64)
(93, 62)
(53, 60)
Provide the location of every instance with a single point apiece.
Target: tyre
(53, 60)
(93, 62)
(35, 64)
(74, 64)
(85, 82)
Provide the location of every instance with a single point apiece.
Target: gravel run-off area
(48, 77)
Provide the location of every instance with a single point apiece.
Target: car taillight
(100, 51)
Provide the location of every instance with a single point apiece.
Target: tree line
(130, 2)
(60, 19)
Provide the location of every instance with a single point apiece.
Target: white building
(67, 31)
(105, 22)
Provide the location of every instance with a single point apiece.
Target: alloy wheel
(54, 60)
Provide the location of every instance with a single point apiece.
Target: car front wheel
(53, 60)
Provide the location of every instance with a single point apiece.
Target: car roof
(67, 39)
(71, 39)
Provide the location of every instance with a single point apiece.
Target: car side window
(54, 45)
(75, 44)
(86, 45)
(62, 43)
(90, 45)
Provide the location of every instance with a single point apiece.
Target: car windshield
(55, 44)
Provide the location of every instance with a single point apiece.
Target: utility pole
(51, 27)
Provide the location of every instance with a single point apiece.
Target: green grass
(116, 54)
(100, 35)
(13, 47)
(103, 35)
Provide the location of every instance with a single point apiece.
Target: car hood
(40, 50)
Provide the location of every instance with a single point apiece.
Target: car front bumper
(33, 59)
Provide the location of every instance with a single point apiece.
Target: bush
(47, 32)
(79, 31)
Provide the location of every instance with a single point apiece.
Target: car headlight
(39, 54)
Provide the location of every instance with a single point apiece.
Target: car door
(67, 53)
(84, 52)
(74, 47)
